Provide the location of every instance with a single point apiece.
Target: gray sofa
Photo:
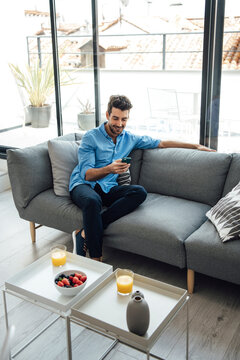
(170, 226)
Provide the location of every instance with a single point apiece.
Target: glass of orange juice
(58, 255)
(124, 278)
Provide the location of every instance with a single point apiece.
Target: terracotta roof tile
(183, 51)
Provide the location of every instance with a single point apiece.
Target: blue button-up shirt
(98, 150)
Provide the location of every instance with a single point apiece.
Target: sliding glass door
(27, 82)
(229, 119)
(155, 52)
(152, 52)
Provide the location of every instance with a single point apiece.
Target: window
(75, 49)
(16, 126)
(151, 51)
(153, 54)
(229, 120)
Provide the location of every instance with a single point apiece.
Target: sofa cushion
(64, 158)
(225, 215)
(207, 254)
(124, 178)
(157, 228)
(132, 176)
(185, 173)
(61, 214)
(136, 164)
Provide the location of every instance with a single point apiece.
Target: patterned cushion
(124, 179)
(225, 215)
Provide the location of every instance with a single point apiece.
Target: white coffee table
(35, 284)
(104, 311)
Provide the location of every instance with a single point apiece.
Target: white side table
(104, 311)
(35, 284)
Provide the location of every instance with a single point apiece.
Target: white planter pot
(86, 121)
(39, 117)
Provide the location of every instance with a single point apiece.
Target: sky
(82, 8)
(79, 10)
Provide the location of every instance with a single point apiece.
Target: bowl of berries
(70, 282)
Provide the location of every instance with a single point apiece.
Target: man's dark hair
(120, 102)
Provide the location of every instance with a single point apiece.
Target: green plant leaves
(38, 81)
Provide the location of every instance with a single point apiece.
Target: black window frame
(211, 72)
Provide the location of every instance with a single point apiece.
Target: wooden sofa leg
(33, 228)
(33, 231)
(190, 280)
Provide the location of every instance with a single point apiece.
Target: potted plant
(39, 85)
(86, 118)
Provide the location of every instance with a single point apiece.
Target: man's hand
(118, 167)
(204, 148)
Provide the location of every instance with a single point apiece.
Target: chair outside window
(164, 110)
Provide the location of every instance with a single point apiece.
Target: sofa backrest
(185, 173)
(233, 176)
(30, 171)
(135, 167)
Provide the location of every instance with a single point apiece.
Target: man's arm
(116, 167)
(179, 144)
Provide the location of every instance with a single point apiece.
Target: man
(93, 182)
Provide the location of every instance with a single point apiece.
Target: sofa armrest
(29, 172)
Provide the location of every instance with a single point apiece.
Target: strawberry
(84, 278)
(75, 279)
(65, 281)
(72, 280)
(78, 275)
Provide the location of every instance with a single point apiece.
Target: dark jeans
(120, 201)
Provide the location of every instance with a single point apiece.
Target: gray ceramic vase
(138, 316)
(137, 293)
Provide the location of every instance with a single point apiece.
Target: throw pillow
(64, 157)
(225, 215)
(124, 179)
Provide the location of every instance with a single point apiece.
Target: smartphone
(126, 159)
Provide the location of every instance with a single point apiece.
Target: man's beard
(113, 129)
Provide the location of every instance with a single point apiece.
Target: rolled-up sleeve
(86, 155)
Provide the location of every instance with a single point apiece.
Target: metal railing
(162, 52)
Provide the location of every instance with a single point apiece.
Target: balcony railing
(164, 39)
(40, 50)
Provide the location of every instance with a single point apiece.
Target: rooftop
(140, 46)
